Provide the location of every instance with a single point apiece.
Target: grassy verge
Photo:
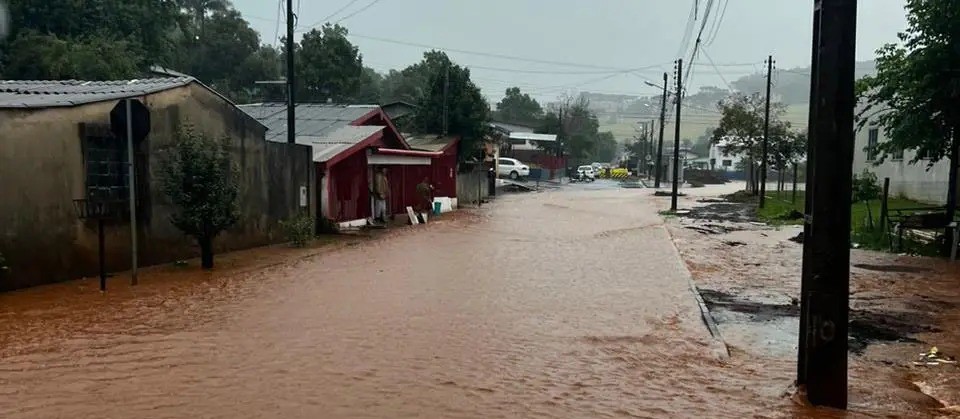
(867, 234)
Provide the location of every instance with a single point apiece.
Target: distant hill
(792, 85)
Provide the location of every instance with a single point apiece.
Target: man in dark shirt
(425, 189)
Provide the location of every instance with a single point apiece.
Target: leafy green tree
(47, 57)
(915, 92)
(865, 189)
(517, 108)
(606, 149)
(218, 57)
(199, 179)
(413, 82)
(148, 26)
(329, 66)
(740, 130)
(467, 112)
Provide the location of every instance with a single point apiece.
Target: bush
(299, 229)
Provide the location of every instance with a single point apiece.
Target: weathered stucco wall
(42, 171)
(918, 181)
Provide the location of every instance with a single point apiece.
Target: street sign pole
(132, 182)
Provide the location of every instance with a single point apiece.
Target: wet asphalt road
(572, 303)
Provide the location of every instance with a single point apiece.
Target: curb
(705, 315)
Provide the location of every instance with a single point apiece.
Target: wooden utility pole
(291, 100)
(766, 137)
(446, 88)
(676, 139)
(663, 117)
(822, 360)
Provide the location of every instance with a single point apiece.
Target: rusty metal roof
(312, 119)
(31, 94)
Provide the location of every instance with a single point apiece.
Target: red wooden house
(349, 143)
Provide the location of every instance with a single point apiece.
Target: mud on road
(749, 276)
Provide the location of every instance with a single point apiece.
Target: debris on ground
(798, 238)
(934, 357)
(734, 243)
(665, 193)
(789, 215)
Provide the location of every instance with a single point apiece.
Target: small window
(873, 137)
(897, 155)
(505, 162)
(727, 163)
(106, 169)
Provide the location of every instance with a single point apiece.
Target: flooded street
(565, 304)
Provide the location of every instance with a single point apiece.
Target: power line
(276, 34)
(487, 54)
(719, 23)
(360, 10)
(330, 16)
(688, 30)
(710, 60)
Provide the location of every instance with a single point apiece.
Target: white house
(919, 181)
(722, 161)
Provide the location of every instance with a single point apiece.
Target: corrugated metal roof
(65, 93)
(312, 119)
(511, 127)
(328, 146)
(429, 142)
(529, 136)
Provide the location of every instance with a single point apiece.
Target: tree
(38, 56)
(413, 82)
(218, 56)
(740, 130)
(330, 67)
(517, 108)
(915, 92)
(865, 189)
(199, 179)
(451, 93)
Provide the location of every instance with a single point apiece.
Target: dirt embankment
(901, 306)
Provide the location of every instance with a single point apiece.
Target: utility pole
(766, 137)
(651, 148)
(663, 117)
(676, 139)
(446, 88)
(822, 357)
(291, 100)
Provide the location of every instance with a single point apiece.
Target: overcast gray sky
(592, 39)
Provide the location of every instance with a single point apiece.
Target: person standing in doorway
(425, 190)
(381, 192)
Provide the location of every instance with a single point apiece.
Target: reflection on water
(553, 305)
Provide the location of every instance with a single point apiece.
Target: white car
(587, 171)
(512, 168)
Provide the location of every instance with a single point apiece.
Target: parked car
(587, 172)
(512, 168)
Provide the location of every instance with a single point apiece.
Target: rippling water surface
(550, 305)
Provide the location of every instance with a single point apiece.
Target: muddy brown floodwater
(569, 304)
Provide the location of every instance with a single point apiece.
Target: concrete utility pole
(676, 139)
(766, 137)
(291, 100)
(663, 117)
(822, 357)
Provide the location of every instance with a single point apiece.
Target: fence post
(883, 204)
(793, 200)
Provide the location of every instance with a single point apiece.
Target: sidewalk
(749, 276)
